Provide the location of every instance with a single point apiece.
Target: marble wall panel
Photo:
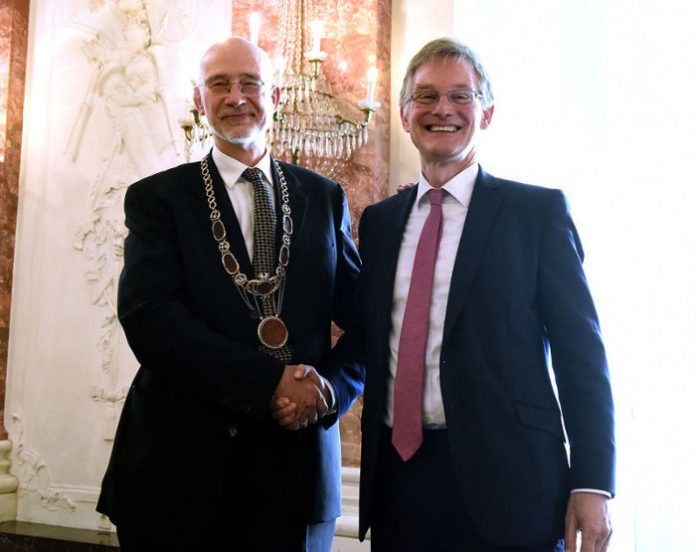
(14, 15)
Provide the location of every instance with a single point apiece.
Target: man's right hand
(298, 399)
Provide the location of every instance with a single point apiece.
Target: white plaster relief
(111, 401)
(125, 84)
(33, 473)
(89, 132)
(122, 48)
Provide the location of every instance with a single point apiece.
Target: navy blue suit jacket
(196, 420)
(518, 295)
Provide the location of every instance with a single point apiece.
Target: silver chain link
(251, 289)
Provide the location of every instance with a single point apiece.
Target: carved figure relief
(123, 42)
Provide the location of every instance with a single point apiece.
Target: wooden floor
(20, 536)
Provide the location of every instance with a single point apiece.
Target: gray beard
(234, 139)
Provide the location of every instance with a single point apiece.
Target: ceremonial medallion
(272, 332)
(264, 293)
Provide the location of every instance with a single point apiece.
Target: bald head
(236, 47)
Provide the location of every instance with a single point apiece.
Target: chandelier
(308, 126)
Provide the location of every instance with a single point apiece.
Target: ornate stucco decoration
(34, 474)
(124, 131)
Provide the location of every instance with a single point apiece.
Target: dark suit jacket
(517, 292)
(196, 421)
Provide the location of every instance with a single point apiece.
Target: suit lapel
(483, 208)
(391, 226)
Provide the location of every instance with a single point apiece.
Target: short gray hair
(447, 48)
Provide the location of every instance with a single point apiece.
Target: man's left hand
(587, 513)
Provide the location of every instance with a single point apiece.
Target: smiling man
(234, 269)
(468, 282)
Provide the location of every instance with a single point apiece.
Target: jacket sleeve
(344, 366)
(578, 355)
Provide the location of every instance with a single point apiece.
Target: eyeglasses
(248, 87)
(456, 96)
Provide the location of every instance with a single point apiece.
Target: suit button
(232, 431)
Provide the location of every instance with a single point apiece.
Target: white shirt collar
(231, 169)
(460, 186)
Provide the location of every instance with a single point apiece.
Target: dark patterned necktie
(264, 224)
(264, 260)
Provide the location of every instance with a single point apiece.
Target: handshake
(301, 398)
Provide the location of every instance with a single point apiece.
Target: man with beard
(234, 269)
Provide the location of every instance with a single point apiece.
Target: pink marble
(14, 20)
(357, 32)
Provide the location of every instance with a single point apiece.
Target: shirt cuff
(595, 491)
(333, 407)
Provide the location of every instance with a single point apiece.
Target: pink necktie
(407, 434)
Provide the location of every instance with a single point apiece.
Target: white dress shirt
(241, 191)
(455, 204)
